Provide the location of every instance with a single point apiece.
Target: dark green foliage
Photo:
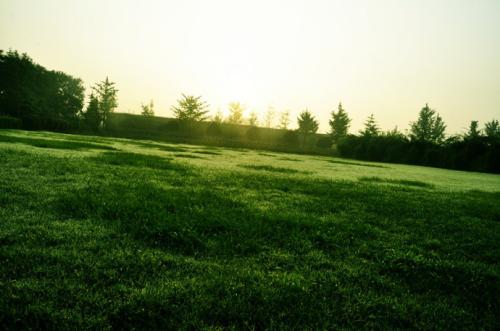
(214, 129)
(190, 108)
(43, 99)
(291, 138)
(473, 132)
(480, 154)
(116, 243)
(92, 115)
(339, 123)
(371, 128)
(148, 109)
(105, 92)
(324, 142)
(9, 122)
(307, 123)
(492, 129)
(253, 133)
(429, 127)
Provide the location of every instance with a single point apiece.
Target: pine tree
(148, 109)
(492, 129)
(473, 131)
(92, 116)
(307, 123)
(190, 109)
(339, 123)
(429, 127)
(106, 94)
(371, 128)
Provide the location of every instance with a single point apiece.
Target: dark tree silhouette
(106, 94)
(148, 109)
(492, 129)
(307, 123)
(371, 128)
(43, 99)
(429, 127)
(92, 115)
(339, 123)
(190, 109)
(474, 132)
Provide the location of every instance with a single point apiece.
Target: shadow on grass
(357, 164)
(56, 144)
(138, 160)
(273, 169)
(289, 159)
(266, 154)
(165, 148)
(188, 156)
(206, 152)
(403, 182)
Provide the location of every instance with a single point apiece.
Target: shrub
(9, 122)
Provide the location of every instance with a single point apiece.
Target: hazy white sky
(387, 57)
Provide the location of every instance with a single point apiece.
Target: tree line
(33, 97)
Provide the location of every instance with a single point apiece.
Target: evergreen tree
(92, 116)
(307, 123)
(429, 127)
(190, 108)
(339, 123)
(371, 128)
(106, 94)
(474, 131)
(148, 109)
(492, 129)
(235, 113)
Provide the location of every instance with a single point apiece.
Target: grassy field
(102, 233)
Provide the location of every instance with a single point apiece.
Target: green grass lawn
(104, 233)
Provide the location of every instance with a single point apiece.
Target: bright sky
(387, 57)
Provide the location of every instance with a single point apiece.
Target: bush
(8, 122)
(253, 133)
(324, 142)
(291, 138)
(214, 129)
